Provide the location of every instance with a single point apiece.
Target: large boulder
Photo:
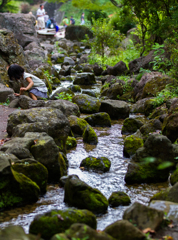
(139, 106)
(143, 216)
(152, 126)
(85, 78)
(99, 119)
(22, 25)
(16, 188)
(77, 125)
(158, 149)
(115, 108)
(131, 144)
(11, 52)
(89, 136)
(49, 120)
(119, 199)
(67, 108)
(119, 68)
(141, 62)
(123, 230)
(100, 164)
(57, 221)
(86, 103)
(138, 89)
(81, 195)
(113, 91)
(77, 32)
(26, 102)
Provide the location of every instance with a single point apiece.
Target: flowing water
(110, 145)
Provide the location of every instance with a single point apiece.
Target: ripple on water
(110, 145)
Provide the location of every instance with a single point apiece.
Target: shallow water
(110, 145)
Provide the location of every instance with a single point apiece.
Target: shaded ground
(4, 112)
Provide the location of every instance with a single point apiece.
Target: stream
(110, 145)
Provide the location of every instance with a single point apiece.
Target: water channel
(110, 145)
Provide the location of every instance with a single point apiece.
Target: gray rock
(130, 126)
(4, 92)
(99, 119)
(123, 230)
(57, 58)
(97, 69)
(26, 102)
(86, 103)
(143, 216)
(139, 106)
(68, 61)
(119, 68)
(89, 92)
(77, 125)
(85, 79)
(67, 108)
(65, 70)
(115, 108)
(22, 25)
(89, 136)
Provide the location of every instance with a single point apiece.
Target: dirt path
(4, 112)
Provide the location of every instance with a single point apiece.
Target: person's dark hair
(15, 72)
(41, 5)
(65, 16)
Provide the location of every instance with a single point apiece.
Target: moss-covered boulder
(143, 216)
(57, 221)
(130, 126)
(71, 143)
(123, 230)
(170, 127)
(152, 126)
(67, 108)
(75, 88)
(16, 188)
(170, 194)
(113, 91)
(99, 119)
(139, 106)
(89, 136)
(49, 120)
(34, 170)
(85, 78)
(119, 199)
(77, 125)
(82, 231)
(86, 103)
(131, 144)
(115, 108)
(100, 164)
(81, 195)
(16, 232)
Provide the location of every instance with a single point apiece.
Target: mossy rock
(17, 189)
(154, 125)
(75, 88)
(100, 164)
(89, 136)
(150, 105)
(77, 32)
(145, 173)
(57, 221)
(81, 195)
(101, 119)
(131, 125)
(131, 144)
(127, 97)
(77, 125)
(63, 164)
(170, 127)
(71, 142)
(34, 170)
(157, 112)
(119, 199)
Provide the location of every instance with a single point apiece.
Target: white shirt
(40, 12)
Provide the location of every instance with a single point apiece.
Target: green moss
(96, 164)
(57, 221)
(160, 195)
(131, 144)
(89, 136)
(119, 199)
(9, 199)
(63, 167)
(174, 177)
(71, 142)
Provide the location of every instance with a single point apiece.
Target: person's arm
(30, 85)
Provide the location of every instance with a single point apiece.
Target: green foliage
(5, 103)
(96, 15)
(49, 77)
(64, 96)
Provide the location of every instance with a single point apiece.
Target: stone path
(4, 112)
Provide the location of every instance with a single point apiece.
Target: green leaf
(164, 165)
